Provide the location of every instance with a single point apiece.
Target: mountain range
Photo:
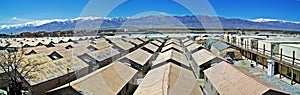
(155, 21)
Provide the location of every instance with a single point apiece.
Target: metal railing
(269, 53)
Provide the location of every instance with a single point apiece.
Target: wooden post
(250, 57)
(280, 54)
(256, 59)
(271, 52)
(293, 68)
(69, 82)
(292, 76)
(251, 46)
(264, 49)
(263, 62)
(293, 58)
(245, 45)
(280, 63)
(257, 48)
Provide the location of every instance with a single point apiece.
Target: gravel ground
(281, 84)
(263, 74)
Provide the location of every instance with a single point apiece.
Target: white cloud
(20, 20)
(14, 18)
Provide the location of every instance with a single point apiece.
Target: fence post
(251, 46)
(264, 49)
(293, 68)
(293, 58)
(280, 63)
(248, 44)
(245, 44)
(271, 52)
(257, 48)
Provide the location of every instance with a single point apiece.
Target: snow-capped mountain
(158, 21)
(42, 22)
(273, 20)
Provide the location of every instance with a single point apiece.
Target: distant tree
(272, 32)
(69, 32)
(16, 68)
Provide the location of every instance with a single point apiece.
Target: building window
(61, 41)
(69, 47)
(39, 44)
(136, 66)
(87, 59)
(91, 48)
(70, 40)
(31, 52)
(55, 56)
(49, 45)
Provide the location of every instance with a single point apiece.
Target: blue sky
(20, 11)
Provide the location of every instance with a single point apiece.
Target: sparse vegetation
(15, 68)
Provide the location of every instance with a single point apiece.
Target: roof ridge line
(165, 84)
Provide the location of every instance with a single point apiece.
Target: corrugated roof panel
(168, 79)
(228, 79)
(220, 45)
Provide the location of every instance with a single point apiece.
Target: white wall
(287, 49)
(261, 45)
